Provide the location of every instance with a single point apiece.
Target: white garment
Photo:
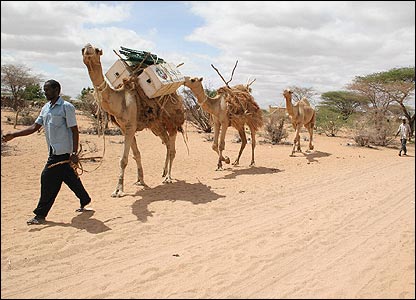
(404, 130)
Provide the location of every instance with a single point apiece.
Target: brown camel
(301, 113)
(134, 111)
(231, 107)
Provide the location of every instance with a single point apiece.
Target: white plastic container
(159, 80)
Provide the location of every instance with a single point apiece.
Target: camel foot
(117, 194)
(219, 169)
(253, 164)
(139, 183)
(311, 147)
(167, 180)
(236, 163)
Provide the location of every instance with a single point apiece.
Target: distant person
(61, 131)
(404, 131)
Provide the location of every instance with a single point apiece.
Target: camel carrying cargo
(132, 110)
(155, 76)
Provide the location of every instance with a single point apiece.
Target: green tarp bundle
(135, 58)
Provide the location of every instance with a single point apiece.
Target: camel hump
(305, 101)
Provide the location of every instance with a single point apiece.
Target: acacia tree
(384, 88)
(400, 85)
(90, 107)
(35, 94)
(194, 113)
(344, 103)
(14, 80)
(302, 92)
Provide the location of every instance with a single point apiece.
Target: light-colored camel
(301, 114)
(132, 112)
(225, 114)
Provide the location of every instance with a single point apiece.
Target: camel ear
(200, 79)
(82, 51)
(99, 51)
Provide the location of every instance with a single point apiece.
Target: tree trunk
(15, 119)
(412, 125)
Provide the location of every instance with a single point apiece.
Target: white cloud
(48, 37)
(323, 45)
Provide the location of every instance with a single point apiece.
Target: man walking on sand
(404, 131)
(61, 131)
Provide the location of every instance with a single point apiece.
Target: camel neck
(289, 106)
(203, 99)
(96, 75)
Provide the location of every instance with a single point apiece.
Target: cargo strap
(102, 86)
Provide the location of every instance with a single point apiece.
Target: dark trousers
(51, 182)
(404, 149)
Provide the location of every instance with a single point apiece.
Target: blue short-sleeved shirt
(57, 120)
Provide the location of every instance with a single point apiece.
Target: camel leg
(310, 129)
(216, 135)
(243, 137)
(221, 147)
(253, 145)
(128, 138)
(165, 140)
(138, 159)
(297, 139)
(172, 154)
(217, 127)
(159, 131)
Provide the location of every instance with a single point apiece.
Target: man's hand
(7, 137)
(74, 158)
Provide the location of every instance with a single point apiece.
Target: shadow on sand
(82, 221)
(196, 193)
(312, 156)
(248, 171)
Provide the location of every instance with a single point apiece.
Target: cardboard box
(159, 80)
(117, 72)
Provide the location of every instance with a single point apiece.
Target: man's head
(404, 120)
(52, 89)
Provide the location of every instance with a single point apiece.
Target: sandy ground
(335, 223)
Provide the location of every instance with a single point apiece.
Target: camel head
(192, 82)
(91, 55)
(287, 93)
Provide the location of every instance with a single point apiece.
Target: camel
(225, 112)
(301, 113)
(133, 111)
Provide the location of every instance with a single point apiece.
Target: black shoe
(83, 208)
(36, 221)
(400, 154)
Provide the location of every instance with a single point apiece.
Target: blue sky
(322, 45)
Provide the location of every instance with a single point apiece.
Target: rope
(102, 86)
(78, 166)
(75, 167)
(100, 115)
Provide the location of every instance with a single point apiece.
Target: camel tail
(114, 121)
(314, 118)
(185, 137)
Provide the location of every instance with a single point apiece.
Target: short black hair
(54, 84)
